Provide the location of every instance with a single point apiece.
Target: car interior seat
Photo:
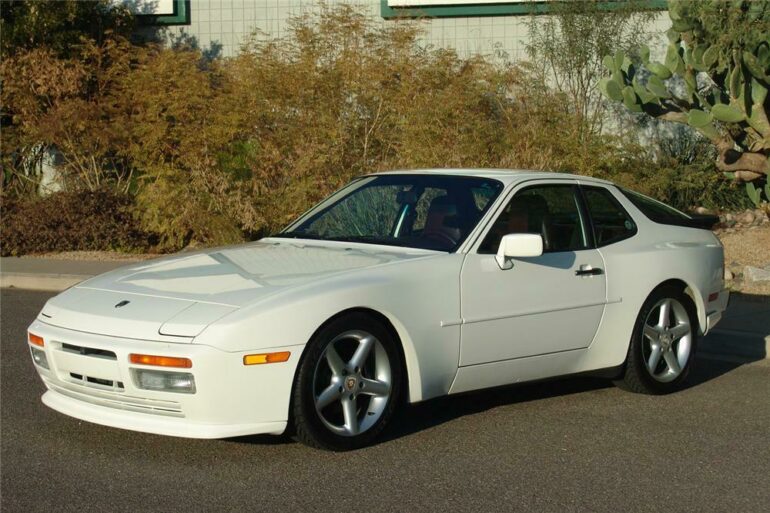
(441, 222)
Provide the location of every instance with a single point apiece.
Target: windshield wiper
(370, 239)
(364, 239)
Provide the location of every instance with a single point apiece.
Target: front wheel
(348, 384)
(662, 348)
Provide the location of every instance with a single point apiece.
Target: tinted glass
(611, 222)
(422, 211)
(551, 211)
(655, 210)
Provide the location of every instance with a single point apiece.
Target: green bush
(64, 221)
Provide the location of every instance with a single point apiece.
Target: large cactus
(715, 78)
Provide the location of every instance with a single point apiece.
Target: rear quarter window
(655, 210)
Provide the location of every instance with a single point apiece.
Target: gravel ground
(744, 247)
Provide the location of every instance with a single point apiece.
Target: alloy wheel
(352, 383)
(667, 340)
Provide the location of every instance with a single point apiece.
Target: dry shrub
(71, 221)
(341, 96)
(217, 151)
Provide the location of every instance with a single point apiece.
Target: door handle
(588, 270)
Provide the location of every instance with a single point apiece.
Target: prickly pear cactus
(714, 77)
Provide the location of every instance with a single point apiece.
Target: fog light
(38, 356)
(163, 381)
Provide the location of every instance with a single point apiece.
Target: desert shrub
(217, 151)
(70, 104)
(71, 221)
(175, 139)
(340, 96)
(675, 166)
(60, 24)
(566, 49)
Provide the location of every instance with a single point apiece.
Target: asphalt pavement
(577, 444)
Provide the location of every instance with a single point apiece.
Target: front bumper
(97, 385)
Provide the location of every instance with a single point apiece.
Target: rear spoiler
(703, 221)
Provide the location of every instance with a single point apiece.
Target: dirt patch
(749, 246)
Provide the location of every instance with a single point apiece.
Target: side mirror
(518, 245)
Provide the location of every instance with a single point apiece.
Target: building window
(467, 8)
(159, 12)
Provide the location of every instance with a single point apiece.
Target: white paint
(463, 322)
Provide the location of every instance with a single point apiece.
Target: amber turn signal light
(257, 359)
(160, 361)
(35, 339)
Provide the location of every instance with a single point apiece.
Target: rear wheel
(662, 348)
(348, 384)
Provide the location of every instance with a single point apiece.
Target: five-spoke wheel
(352, 383)
(663, 343)
(348, 383)
(667, 340)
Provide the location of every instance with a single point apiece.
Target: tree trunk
(747, 166)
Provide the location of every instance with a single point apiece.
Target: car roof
(507, 176)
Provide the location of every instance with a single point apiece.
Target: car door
(540, 305)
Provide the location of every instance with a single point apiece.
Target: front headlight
(164, 381)
(38, 356)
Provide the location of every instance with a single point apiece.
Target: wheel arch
(693, 293)
(412, 384)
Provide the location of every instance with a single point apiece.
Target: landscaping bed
(746, 238)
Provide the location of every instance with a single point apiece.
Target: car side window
(611, 223)
(552, 211)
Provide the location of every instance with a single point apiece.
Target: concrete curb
(40, 281)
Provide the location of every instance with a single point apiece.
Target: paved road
(572, 445)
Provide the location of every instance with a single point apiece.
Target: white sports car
(400, 287)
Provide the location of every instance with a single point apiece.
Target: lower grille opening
(98, 381)
(89, 351)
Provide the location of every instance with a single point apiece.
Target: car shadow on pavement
(431, 413)
(434, 412)
(744, 330)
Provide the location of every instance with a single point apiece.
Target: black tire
(312, 427)
(637, 376)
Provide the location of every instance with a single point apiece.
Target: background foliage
(714, 79)
(203, 151)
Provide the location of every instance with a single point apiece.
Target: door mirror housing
(518, 245)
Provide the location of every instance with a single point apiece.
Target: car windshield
(435, 212)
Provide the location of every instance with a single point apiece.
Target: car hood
(179, 296)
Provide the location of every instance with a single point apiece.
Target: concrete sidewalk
(50, 273)
(743, 333)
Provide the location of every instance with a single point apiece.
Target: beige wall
(228, 22)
